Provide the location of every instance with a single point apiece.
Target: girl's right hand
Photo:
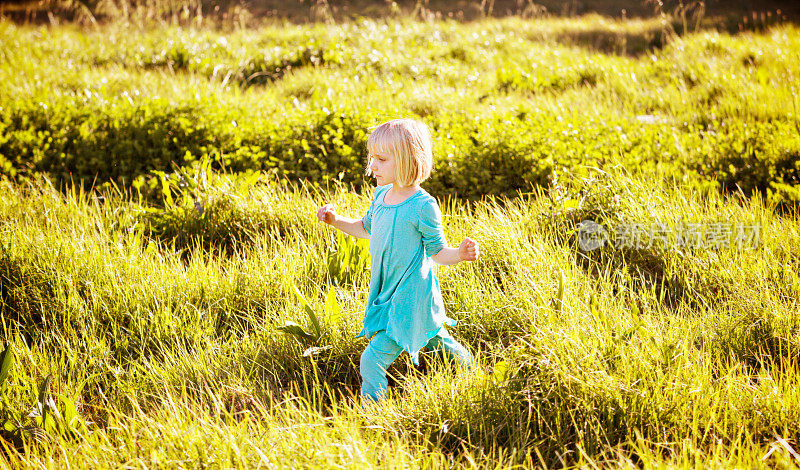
(327, 214)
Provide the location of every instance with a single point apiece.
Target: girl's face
(383, 168)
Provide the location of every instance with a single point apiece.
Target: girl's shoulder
(424, 206)
(426, 199)
(380, 191)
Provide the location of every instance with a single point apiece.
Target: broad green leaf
(43, 391)
(594, 309)
(300, 296)
(50, 420)
(500, 373)
(6, 360)
(165, 190)
(635, 312)
(309, 311)
(560, 294)
(53, 408)
(70, 410)
(312, 315)
(296, 330)
(332, 309)
(39, 413)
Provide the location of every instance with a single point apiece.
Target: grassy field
(157, 231)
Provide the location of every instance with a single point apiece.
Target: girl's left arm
(467, 251)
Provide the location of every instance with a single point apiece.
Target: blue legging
(382, 351)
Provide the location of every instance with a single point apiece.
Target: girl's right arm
(352, 227)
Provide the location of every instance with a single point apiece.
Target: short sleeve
(366, 221)
(430, 225)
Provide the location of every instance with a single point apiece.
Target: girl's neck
(404, 190)
(398, 194)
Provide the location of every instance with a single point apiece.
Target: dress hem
(415, 354)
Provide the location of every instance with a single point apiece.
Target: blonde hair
(409, 142)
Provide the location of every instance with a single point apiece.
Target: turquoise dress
(404, 300)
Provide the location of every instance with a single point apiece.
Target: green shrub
(754, 157)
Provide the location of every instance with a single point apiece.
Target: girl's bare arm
(467, 251)
(347, 225)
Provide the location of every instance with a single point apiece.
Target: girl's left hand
(468, 250)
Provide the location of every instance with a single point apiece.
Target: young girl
(404, 310)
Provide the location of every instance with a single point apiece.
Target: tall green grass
(157, 233)
(509, 101)
(158, 345)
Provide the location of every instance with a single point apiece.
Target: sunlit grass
(185, 350)
(154, 301)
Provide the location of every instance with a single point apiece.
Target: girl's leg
(451, 348)
(380, 353)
